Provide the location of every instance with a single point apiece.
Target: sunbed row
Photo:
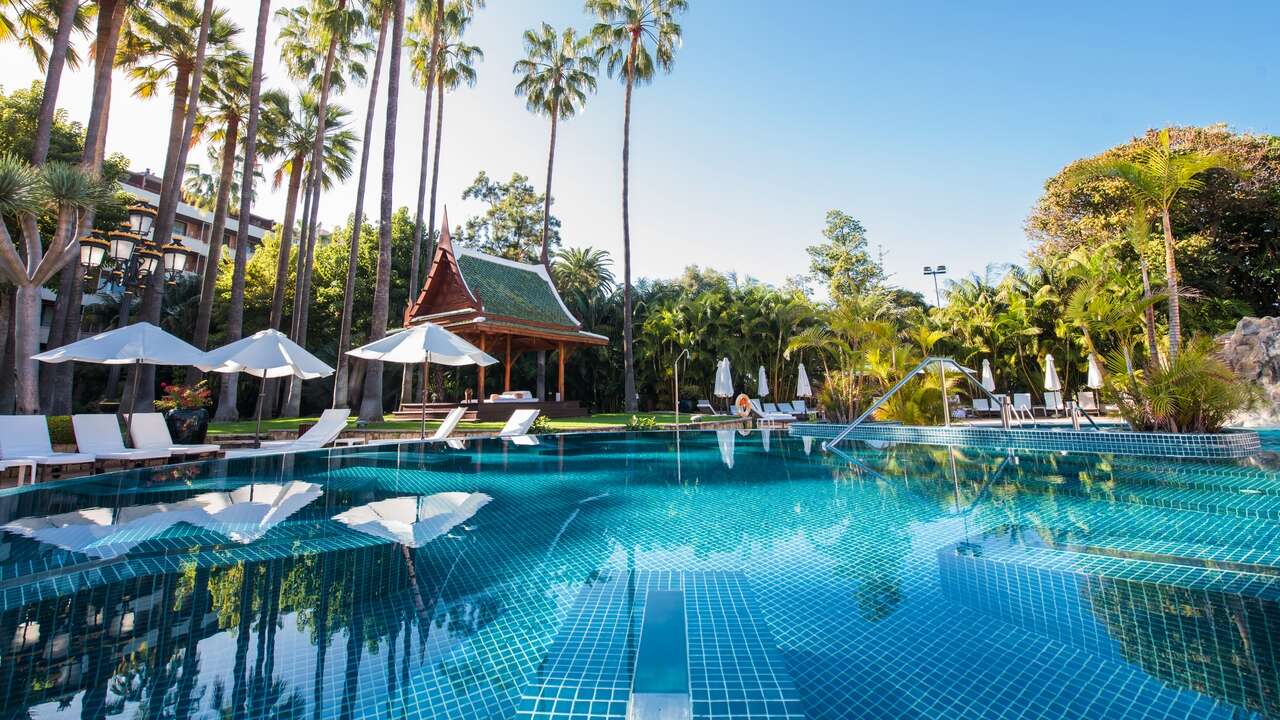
(1053, 402)
(25, 443)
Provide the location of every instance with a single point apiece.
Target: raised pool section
(1227, 444)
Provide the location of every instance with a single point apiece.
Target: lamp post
(942, 366)
(133, 256)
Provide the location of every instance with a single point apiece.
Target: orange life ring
(743, 405)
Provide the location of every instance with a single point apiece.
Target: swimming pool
(902, 581)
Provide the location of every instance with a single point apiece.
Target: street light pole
(942, 366)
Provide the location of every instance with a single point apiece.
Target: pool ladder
(1007, 412)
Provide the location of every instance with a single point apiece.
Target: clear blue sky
(935, 123)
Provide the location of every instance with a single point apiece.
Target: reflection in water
(334, 601)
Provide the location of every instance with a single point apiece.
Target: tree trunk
(341, 380)
(435, 163)
(1149, 314)
(415, 258)
(546, 200)
(27, 343)
(302, 285)
(628, 355)
(235, 313)
(213, 262)
(286, 241)
(53, 79)
(1171, 282)
(8, 301)
(371, 404)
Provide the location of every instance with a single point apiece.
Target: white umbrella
(265, 354)
(1051, 381)
(424, 344)
(988, 379)
(727, 442)
(802, 384)
(1095, 373)
(413, 521)
(764, 439)
(724, 379)
(248, 512)
(762, 386)
(137, 344)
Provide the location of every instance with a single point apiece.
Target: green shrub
(645, 422)
(60, 432)
(541, 425)
(1197, 393)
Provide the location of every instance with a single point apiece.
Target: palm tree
(371, 404)
(235, 311)
(38, 26)
(1158, 175)
(636, 37)
(383, 9)
(25, 193)
(556, 74)
(226, 102)
(289, 131)
(333, 24)
(70, 16)
(446, 62)
(583, 272)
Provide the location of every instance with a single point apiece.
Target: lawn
(593, 422)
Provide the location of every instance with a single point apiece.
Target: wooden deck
(491, 411)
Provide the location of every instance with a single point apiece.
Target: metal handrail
(898, 386)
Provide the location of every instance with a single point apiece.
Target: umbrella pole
(422, 434)
(133, 398)
(257, 428)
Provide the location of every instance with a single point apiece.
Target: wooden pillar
(480, 375)
(560, 353)
(506, 370)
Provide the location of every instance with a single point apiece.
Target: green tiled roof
(512, 290)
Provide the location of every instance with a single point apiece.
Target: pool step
(1238, 504)
(601, 660)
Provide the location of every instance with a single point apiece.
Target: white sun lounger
(770, 417)
(798, 408)
(450, 423)
(1022, 402)
(26, 437)
(1087, 400)
(981, 406)
(149, 431)
(327, 428)
(26, 469)
(100, 436)
(517, 428)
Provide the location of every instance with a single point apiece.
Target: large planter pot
(188, 426)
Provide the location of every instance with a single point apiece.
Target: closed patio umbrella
(762, 385)
(1095, 373)
(137, 344)
(1051, 381)
(424, 344)
(724, 380)
(988, 379)
(265, 354)
(802, 383)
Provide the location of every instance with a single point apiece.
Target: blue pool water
(901, 581)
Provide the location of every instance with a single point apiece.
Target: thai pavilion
(505, 308)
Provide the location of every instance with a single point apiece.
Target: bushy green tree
(842, 261)
(511, 226)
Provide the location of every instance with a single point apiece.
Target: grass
(593, 422)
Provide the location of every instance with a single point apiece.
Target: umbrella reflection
(727, 441)
(243, 515)
(413, 520)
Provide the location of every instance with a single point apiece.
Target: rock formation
(1253, 352)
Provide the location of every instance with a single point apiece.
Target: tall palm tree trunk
(1149, 313)
(1171, 282)
(235, 311)
(286, 241)
(53, 79)
(628, 355)
(65, 325)
(302, 286)
(213, 263)
(415, 259)
(169, 197)
(343, 375)
(371, 404)
(435, 163)
(545, 257)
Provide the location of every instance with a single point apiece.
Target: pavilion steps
(492, 412)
